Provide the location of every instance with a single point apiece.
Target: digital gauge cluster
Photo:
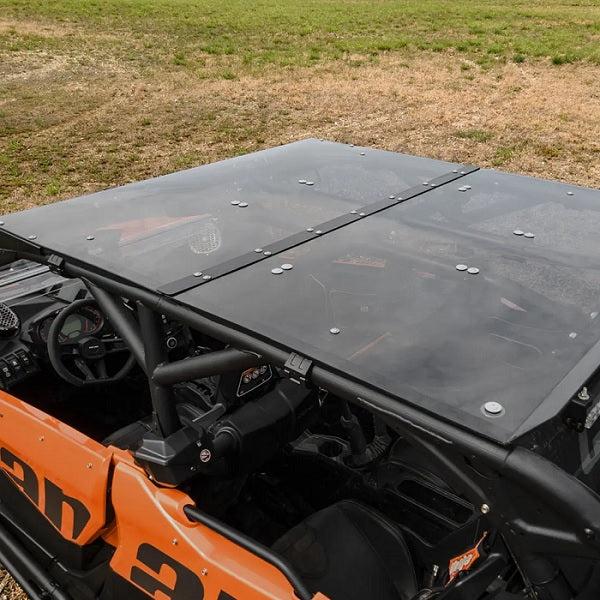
(86, 321)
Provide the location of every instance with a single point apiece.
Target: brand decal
(69, 515)
(163, 577)
(465, 561)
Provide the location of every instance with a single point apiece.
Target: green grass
(306, 32)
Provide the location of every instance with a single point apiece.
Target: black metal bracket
(298, 368)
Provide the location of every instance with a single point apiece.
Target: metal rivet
(89, 465)
(518, 232)
(174, 542)
(593, 315)
(468, 187)
(41, 438)
(310, 183)
(206, 277)
(425, 183)
(267, 253)
(287, 267)
(455, 170)
(318, 232)
(462, 189)
(583, 394)
(334, 330)
(32, 237)
(363, 153)
(258, 250)
(1, 223)
(461, 267)
(529, 235)
(198, 274)
(391, 197)
(235, 202)
(310, 229)
(473, 270)
(362, 214)
(205, 572)
(569, 193)
(277, 271)
(90, 238)
(433, 185)
(485, 509)
(301, 181)
(493, 408)
(463, 172)
(353, 212)
(573, 335)
(399, 198)
(243, 204)
(351, 145)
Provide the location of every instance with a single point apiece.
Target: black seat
(349, 551)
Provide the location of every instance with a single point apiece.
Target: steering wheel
(87, 352)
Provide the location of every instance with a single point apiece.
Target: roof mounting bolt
(206, 277)
(287, 267)
(472, 270)
(433, 185)
(243, 204)
(485, 509)
(205, 572)
(425, 183)
(518, 232)
(89, 465)
(461, 267)
(41, 438)
(32, 237)
(589, 533)
(529, 235)
(569, 193)
(462, 189)
(334, 330)
(174, 542)
(493, 408)
(318, 232)
(89, 238)
(399, 198)
(301, 181)
(468, 187)
(1, 223)
(362, 214)
(353, 212)
(310, 229)
(258, 250)
(583, 394)
(267, 253)
(235, 202)
(363, 153)
(351, 145)
(198, 274)
(277, 271)
(310, 183)
(463, 172)
(392, 197)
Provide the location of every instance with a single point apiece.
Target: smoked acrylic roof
(444, 286)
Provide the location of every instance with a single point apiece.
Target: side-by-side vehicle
(316, 372)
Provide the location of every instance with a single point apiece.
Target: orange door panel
(161, 552)
(63, 472)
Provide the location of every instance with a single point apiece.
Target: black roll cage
(540, 510)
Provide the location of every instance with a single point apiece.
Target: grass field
(97, 93)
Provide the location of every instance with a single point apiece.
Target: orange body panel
(63, 472)
(149, 515)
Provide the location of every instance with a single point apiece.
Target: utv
(314, 372)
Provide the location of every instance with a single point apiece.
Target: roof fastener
(301, 181)
(243, 204)
(235, 202)
(89, 465)
(258, 250)
(32, 237)
(206, 277)
(362, 153)
(205, 572)
(198, 274)
(287, 267)
(362, 214)
(569, 193)
(310, 229)
(267, 253)
(485, 509)
(310, 183)
(529, 235)
(334, 330)
(1, 223)
(461, 267)
(473, 270)
(174, 542)
(277, 271)
(392, 197)
(493, 408)
(318, 232)
(90, 238)
(518, 232)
